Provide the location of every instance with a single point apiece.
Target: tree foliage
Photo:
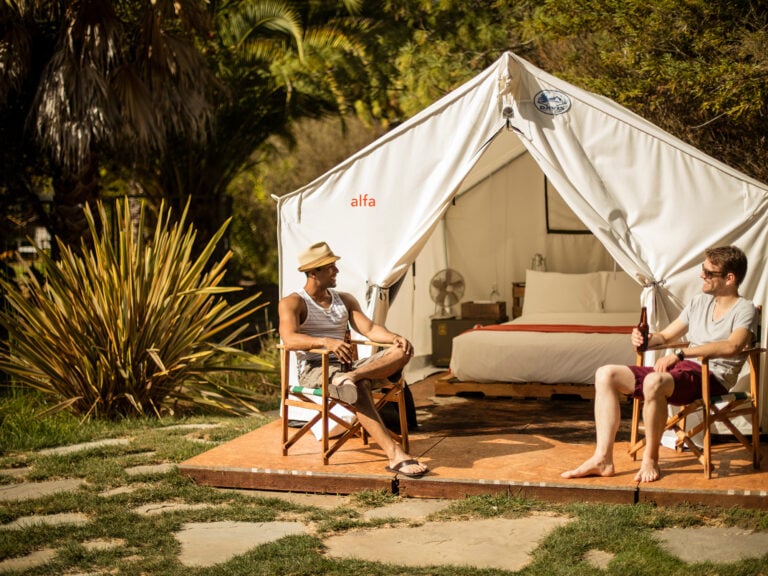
(698, 68)
(179, 98)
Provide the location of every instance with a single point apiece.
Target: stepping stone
(190, 427)
(29, 490)
(118, 490)
(706, 544)
(15, 472)
(63, 519)
(410, 509)
(151, 469)
(599, 559)
(501, 543)
(163, 507)
(210, 543)
(33, 560)
(200, 440)
(103, 544)
(322, 501)
(84, 446)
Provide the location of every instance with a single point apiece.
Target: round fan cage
(446, 289)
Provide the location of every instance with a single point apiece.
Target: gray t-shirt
(702, 329)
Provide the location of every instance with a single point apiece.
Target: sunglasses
(712, 273)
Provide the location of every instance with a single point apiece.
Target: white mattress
(545, 357)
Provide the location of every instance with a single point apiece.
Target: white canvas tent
(462, 185)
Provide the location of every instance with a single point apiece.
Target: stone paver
(63, 519)
(210, 543)
(164, 507)
(322, 501)
(85, 446)
(201, 426)
(15, 472)
(476, 543)
(599, 559)
(407, 509)
(707, 544)
(118, 491)
(33, 560)
(150, 469)
(29, 490)
(103, 544)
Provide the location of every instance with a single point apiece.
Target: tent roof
(654, 201)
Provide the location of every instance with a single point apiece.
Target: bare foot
(649, 472)
(592, 467)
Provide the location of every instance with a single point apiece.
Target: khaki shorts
(312, 376)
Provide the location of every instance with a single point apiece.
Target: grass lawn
(147, 545)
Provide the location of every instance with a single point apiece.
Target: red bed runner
(578, 328)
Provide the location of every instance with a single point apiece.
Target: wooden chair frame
(737, 404)
(300, 397)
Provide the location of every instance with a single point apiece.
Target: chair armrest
(314, 350)
(360, 342)
(372, 343)
(667, 345)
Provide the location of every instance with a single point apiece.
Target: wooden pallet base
(449, 386)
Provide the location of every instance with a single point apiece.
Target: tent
(472, 182)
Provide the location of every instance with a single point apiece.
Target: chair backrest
(742, 383)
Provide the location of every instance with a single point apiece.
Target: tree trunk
(71, 192)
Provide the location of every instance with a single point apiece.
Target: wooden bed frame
(447, 385)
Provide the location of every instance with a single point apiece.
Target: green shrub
(128, 324)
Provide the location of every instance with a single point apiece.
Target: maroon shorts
(687, 377)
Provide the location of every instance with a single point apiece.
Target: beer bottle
(644, 329)
(347, 366)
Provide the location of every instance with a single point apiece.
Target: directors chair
(319, 401)
(714, 409)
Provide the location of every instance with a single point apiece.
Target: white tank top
(323, 323)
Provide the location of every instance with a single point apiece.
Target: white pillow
(549, 292)
(622, 293)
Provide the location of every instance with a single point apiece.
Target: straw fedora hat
(319, 254)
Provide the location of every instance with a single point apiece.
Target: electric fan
(446, 289)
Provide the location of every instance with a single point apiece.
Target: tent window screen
(560, 218)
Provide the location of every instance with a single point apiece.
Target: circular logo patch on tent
(552, 102)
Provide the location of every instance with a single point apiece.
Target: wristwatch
(679, 354)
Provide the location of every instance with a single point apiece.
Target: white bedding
(499, 356)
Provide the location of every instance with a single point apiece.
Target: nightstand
(443, 332)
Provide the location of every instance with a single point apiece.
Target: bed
(570, 325)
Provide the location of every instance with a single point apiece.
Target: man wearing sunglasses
(317, 317)
(717, 322)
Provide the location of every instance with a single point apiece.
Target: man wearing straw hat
(316, 317)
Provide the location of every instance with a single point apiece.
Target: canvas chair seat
(712, 409)
(320, 403)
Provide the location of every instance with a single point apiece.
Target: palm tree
(106, 79)
(277, 64)
(173, 94)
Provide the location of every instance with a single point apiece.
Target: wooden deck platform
(485, 446)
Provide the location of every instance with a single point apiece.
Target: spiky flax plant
(128, 323)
